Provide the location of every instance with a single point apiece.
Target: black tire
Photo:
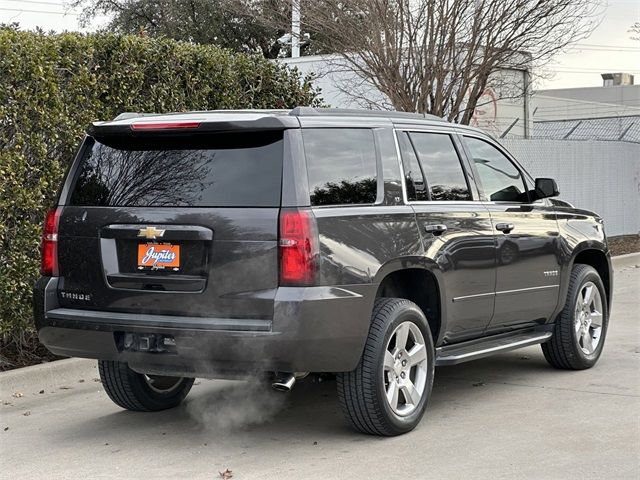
(563, 350)
(134, 391)
(361, 393)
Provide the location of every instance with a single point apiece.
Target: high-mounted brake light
(163, 125)
(299, 248)
(49, 261)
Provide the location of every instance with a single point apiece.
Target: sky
(608, 49)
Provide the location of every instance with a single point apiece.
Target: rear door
(177, 224)
(528, 248)
(455, 228)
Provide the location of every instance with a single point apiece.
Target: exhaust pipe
(284, 382)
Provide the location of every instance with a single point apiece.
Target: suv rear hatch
(166, 220)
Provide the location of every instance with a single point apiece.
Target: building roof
(623, 128)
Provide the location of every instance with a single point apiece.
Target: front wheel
(581, 327)
(388, 391)
(139, 392)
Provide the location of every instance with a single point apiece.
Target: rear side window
(230, 170)
(341, 165)
(413, 176)
(441, 166)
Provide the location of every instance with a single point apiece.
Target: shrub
(53, 86)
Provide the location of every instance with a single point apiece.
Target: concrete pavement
(509, 416)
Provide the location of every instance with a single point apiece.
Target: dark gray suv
(373, 245)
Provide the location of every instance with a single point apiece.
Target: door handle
(436, 229)
(505, 227)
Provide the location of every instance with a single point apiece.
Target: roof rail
(354, 112)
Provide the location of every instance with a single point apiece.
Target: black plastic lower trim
(91, 319)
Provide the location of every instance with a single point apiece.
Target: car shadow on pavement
(242, 412)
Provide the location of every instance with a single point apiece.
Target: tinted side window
(501, 180)
(441, 166)
(341, 165)
(413, 176)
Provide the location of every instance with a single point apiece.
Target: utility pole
(295, 28)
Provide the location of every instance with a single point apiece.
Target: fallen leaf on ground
(26, 414)
(226, 474)
(18, 395)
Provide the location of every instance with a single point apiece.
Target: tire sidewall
(588, 275)
(407, 311)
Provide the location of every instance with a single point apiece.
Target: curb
(51, 375)
(627, 260)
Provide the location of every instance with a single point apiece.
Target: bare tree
(437, 56)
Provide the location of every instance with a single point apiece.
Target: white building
(503, 107)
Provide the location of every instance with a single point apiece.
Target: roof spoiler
(165, 126)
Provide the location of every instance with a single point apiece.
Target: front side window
(441, 166)
(341, 166)
(501, 180)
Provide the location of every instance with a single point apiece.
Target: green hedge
(53, 86)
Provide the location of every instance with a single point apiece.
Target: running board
(483, 347)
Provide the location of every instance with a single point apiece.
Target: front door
(527, 240)
(456, 231)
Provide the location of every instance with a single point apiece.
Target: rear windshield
(230, 170)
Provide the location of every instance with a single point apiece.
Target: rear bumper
(314, 329)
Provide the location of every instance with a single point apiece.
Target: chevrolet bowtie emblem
(151, 232)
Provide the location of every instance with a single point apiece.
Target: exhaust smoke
(234, 404)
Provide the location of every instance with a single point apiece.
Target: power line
(598, 49)
(57, 4)
(23, 10)
(594, 70)
(599, 45)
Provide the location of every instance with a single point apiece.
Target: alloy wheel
(588, 318)
(405, 368)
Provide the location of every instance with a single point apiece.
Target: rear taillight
(299, 247)
(49, 263)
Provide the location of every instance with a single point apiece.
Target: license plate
(158, 256)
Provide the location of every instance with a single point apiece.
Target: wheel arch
(416, 279)
(600, 260)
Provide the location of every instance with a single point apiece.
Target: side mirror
(546, 187)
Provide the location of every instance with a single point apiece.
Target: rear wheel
(388, 391)
(139, 392)
(581, 327)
